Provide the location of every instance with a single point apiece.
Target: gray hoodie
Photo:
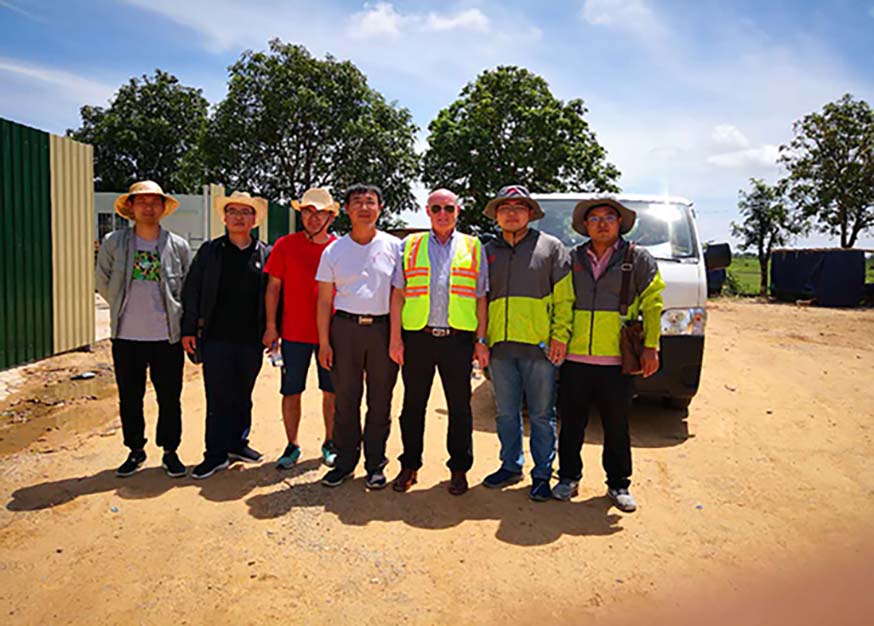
(114, 271)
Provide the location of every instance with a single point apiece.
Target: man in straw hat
(592, 373)
(139, 273)
(223, 321)
(292, 269)
(354, 277)
(438, 309)
(530, 299)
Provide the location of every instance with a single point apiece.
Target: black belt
(441, 332)
(361, 320)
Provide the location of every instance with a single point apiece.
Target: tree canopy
(830, 163)
(151, 130)
(291, 122)
(507, 127)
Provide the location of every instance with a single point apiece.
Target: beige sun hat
(513, 192)
(627, 217)
(242, 197)
(140, 188)
(319, 198)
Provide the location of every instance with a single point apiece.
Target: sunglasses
(436, 208)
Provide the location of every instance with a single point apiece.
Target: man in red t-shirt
(292, 268)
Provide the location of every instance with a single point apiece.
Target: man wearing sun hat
(529, 322)
(292, 270)
(223, 321)
(592, 373)
(139, 272)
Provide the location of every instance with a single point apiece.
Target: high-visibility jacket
(463, 273)
(596, 319)
(530, 290)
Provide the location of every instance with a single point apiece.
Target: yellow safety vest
(462, 283)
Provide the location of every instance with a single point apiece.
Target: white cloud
(471, 19)
(72, 86)
(626, 15)
(379, 20)
(17, 9)
(763, 156)
(728, 135)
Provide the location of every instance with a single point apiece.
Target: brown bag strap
(626, 267)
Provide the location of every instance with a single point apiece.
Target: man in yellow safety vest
(438, 319)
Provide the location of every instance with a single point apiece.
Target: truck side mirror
(717, 256)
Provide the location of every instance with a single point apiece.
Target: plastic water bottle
(275, 356)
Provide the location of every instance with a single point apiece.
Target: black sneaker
(172, 465)
(335, 477)
(375, 480)
(209, 467)
(246, 454)
(129, 467)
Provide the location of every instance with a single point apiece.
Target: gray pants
(359, 351)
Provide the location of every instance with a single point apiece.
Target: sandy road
(771, 471)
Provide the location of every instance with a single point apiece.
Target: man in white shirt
(354, 278)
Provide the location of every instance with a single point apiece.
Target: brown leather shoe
(458, 483)
(405, 480)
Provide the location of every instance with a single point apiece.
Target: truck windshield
(665, 229)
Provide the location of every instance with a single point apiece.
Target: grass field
(746, 270)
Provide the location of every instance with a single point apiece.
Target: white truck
(666, 227)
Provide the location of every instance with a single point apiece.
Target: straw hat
(140, 188)
(627, 217)
(242, 197)
(513, 192)
(319, 198)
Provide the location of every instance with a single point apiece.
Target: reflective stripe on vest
(463, 273)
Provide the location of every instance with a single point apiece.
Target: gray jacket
(114, 270)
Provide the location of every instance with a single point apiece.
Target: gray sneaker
(623, 500)
(565, 489)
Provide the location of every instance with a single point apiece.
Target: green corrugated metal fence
(25, 238)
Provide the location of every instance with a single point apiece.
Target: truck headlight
(684, 321)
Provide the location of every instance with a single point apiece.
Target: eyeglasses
(448, 208)
(607, 219)
(239, 212)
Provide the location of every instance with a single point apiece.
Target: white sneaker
(623, 500)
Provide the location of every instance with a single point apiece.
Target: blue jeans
(536, 377)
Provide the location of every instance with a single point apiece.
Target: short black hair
(598, 206)
(361, 188)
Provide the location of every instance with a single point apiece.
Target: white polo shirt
(361, 274)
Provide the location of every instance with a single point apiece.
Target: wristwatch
(483, 341)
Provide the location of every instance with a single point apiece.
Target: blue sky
(689, 98)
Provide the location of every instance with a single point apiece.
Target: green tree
(291, 122)
(151, 130)
(507, 127)
(830, 162)
(766, 224)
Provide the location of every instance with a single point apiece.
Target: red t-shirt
(294, 260)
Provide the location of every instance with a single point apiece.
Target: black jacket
(200, 292)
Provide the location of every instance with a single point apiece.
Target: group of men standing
(368, 305)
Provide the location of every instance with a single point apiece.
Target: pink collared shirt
(598, 268)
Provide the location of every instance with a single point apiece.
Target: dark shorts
(296, 363)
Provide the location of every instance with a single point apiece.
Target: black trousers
(164, 360)
(452, 356)
(229, 373)
(580, 386)
(361, 351)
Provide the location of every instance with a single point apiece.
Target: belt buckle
(440, 332)
(365, 320)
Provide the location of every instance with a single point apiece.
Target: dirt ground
(769, 475)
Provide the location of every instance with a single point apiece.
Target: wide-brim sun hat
(627, 217)
(513, 192)
(318, 198)
(242, 197)
(141, 188)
